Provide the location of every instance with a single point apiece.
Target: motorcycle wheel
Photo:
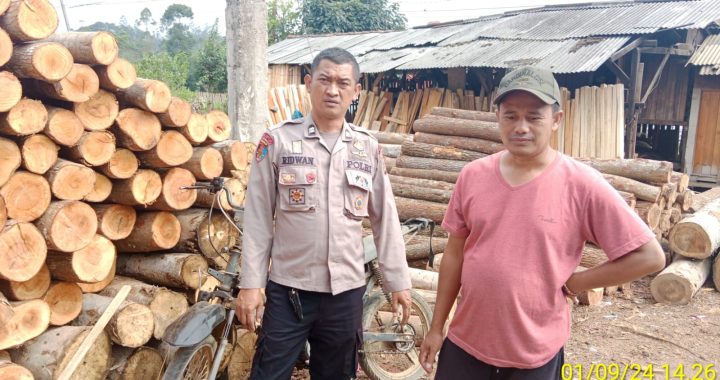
(388, 360)
(191, 363)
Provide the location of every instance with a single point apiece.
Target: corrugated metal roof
(708, 53)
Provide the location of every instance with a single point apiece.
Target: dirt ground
(630, 328)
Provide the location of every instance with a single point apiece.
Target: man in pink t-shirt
(518, 221)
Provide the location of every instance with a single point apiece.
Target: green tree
(176, 23)
(171, 69)
(328, 16)
(209, 66)
(145, 20)
(283, 19)
(133, 42)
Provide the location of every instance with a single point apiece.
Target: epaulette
(362, 130)
(299, 120)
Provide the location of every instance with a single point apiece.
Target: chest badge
(358, 148)
(297, 147)
(287, 178)
(297, 196)
(359, 202)
(310, 178)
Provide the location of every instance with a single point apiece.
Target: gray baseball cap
(537, 81)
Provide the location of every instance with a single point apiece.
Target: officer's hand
(429, 349)
(249, 303)
(405, 300)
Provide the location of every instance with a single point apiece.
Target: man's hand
(249, 303)
(405, 300)
(429, 349)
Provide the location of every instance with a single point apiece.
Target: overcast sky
(418, 12)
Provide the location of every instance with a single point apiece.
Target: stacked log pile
(92, 161)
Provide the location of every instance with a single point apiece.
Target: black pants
(456, 364)
(332, 325)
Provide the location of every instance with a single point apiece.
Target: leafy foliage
(209, 65)
(171, 69)
(329, 16)
(283, 19)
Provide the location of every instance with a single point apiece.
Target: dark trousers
(456, 364)
(332, 325)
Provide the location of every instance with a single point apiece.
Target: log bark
(716, 273)
(91, 263)
(137, 130)
(166, 305)
(65, 301)
(172, 149)
(467, 143)
(698, 236)
(99, 112)
(639, 169)
(27, 321)
(11, 159)
(629, 198)
(420, 193)
(418, 247)
(649, 213)
(686, 200)
(92, 48)
(118, 75)
(70, 181)
(29, 20)
(464, 114)
(63, 126)
(413, 208)
(389, 137)
(219, 127)
(418, 149)
(148, 94)
(237, 194)
(678, 283)
(12, 91)
(424, 183)
(132, 324)
(435, 175)
(68, 225)
(6, 47)
(681, 179)
(389, 163)
(101, 190)
(135, 364)
(26, 196)
(242, 356)
(28, 290)
(702, 199)
(39, 153)
(391, 150)
(79, 85)
(196, 130)
(94, 148)
(592, 256)
(177, 114)
(45, 61)
(154, 231)
(175, 270)
(458, 127)
(665, 223)
(173, 197)
(423, 279)
(12, 371)
(48, 354)
(669, 193)
(24, 118)
(206, 163)
(22, 251)
(122, 165)
(202, 235)
(641, 190)
(115, 222)
(409, 162)
(234, 156)
(95, 287)
(143, 188)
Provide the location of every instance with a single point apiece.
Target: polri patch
(262, 149)
(297, 196)
(359, 202)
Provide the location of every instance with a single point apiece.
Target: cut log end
(137, 130)
(177, 114)
(122, 165)
(29, 320)
(30, 20)
(70, 181)
(101, 191)
(196, 130)
(173, 196)
(99, 112)
(25, 118)
(65, 301)
(141, 189)
(39, 153)
(690, 240)
(115, 221)
(219, 127)
(68, 225)
(22, 251)
(12, 91)
(63, 126)
(118, 75)
(26, 195)
(27, 290)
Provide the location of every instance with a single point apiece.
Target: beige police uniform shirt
(316, 200)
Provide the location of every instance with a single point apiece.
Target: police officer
(312, 183)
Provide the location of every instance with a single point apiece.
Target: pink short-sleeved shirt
(522, 244)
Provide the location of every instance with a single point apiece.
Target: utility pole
(246, 35)
(67, 24)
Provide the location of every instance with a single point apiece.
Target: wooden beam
(665, 50)
(633, 98)
(618, 71)
(627, 48)
(659, 71)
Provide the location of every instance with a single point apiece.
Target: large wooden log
(45, 61)
(94, 148)
(65, 301)
(135, 363)
(166, 305)
(122, 165)
(177, 114)
(118, 75)
(592, 256)
(391, 150)
(68, 225)
(101, 190)
(173, 197)
(413, 208)
(458, 127)
(12, 91)
(716, 273)
(410, 162)
(435, 175)
(423, 279)
(467, 143)
(639, 169)
(10, 161)
(175, 270)
(391, 137)
(31, 289)
(148, 94)
(678, 283)
(172, 149)
(424, 183)
(219, 127)
(237, 195)
(418, 149)
(95, 287)
(79, 85)
(91, 263)
(629, 198)
(26, 196)
(137, 130)
(698, 236)
(10, 370)
(234, 156)
(63, 126)
(154, 231)
(132, 324)
(422, 193)
(702, 199)
(242, 356)
(464, 114)
(99, 112)
(48, 354)
(22, 251)
(26, 321)
(24, 118)
(206, 163)
(6, 47)
(649, 213)
(686, 200)
(418, 247)
(641, 190)
(70, 181)
(201, 234)
(92, 48)
(29, 20)
(143, 188)
(196, 130)
(115, 221)
(39, 153)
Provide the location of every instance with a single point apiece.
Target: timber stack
(92, 161)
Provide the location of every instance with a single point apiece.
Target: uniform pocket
(296, 188)
(357, 191)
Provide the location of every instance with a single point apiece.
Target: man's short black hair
(338, 56)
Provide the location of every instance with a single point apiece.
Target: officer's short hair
(338, 56)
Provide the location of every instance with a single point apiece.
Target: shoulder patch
(262, 148)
